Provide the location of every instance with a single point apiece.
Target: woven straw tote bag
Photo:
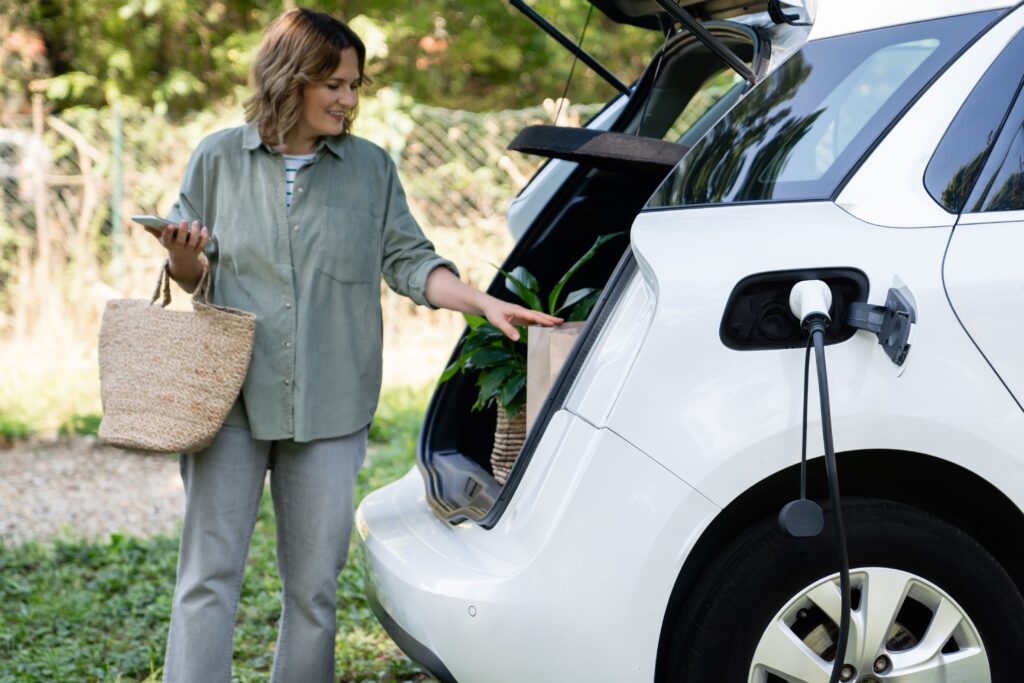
(168, 378)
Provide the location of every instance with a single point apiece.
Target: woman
(301, 220)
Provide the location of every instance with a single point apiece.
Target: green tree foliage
(171, 54)
(178, 55)
(483, 54)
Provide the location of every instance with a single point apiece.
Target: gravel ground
(76, 488)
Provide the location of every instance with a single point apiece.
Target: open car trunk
(674, 101)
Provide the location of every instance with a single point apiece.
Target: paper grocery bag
(547, 349)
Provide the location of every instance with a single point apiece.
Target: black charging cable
(803, 436)
(803, 518)
(817, 331)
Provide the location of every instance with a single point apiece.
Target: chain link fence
(69, 182)
(457, 166)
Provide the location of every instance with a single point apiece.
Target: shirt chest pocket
(348, 245)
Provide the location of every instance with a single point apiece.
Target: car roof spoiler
(654, 14)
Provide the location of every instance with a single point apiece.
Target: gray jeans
(312, 488)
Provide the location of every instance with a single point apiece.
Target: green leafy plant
(13, 428)
(81, 425)
(501, 362)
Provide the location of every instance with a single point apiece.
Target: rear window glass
(800, 132)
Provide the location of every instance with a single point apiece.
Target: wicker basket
(509, 435)
(168, 378)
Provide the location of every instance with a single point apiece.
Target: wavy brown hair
(301, 47)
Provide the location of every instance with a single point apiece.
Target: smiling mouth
(338, 114)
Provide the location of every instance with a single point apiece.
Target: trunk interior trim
(556, 398)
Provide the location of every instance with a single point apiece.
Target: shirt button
(300, 190)
(287, 344)
(288, 305)
(287, 381)
(295, 228)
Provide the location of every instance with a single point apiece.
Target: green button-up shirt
(311, 275)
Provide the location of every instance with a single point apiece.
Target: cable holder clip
(891, 322)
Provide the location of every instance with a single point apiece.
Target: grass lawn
(80, 611)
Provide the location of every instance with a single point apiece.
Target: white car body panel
(688, 399)
(897, 166)
(429, 574)
(985, 280)
(600, 379)
(839, 17)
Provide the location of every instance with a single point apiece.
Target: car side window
(1007, 190)
(964, 148)
(1000, 186)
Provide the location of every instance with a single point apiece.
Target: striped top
(292, 164)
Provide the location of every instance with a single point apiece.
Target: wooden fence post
(43, 236)
(116, 228)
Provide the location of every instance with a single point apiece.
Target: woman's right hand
(183, 245)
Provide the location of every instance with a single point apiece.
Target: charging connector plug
(811, 301)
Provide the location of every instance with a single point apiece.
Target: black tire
(734, 601)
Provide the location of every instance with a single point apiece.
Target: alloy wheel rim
(902, 628)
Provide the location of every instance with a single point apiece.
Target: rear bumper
(416, 651)
(570, 585)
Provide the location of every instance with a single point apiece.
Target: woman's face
(325, 106)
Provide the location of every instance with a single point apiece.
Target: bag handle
(205, 281)
(164, 283)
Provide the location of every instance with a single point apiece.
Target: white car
(881, 152)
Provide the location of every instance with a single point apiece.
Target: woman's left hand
(445, 290)
(505, 316)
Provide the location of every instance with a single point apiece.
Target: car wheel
(929, 605)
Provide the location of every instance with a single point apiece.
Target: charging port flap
(891, 322)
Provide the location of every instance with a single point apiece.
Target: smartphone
(155, 222)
